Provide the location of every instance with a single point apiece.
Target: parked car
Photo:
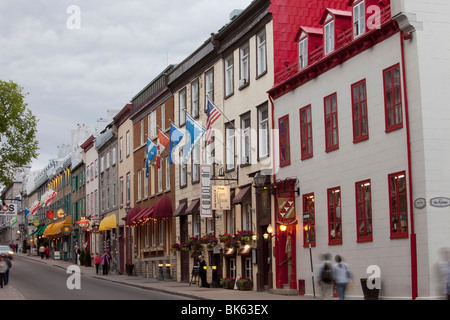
(7, 251)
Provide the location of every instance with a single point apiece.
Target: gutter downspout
(414, 292)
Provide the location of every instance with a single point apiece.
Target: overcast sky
(74, 75)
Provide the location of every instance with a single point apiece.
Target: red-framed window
(309, 227)
(306, 132)
(359, 111)
(331, 123)
(393, 98)
(364, 211)
(398, 208)
(334, 216)
(285, 154)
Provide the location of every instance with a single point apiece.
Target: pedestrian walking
(9, 264)
(3, 269)
(203, 272)
(97, 261)
(47, 252)
(42, 251)
(341, 275)
(444, 266)
(325, 277)
(105, 262)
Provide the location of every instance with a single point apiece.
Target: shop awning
(244, 195)
(108, 223)
(181, 209)
(163, 208)
(57, 228)
(144, 215)
(133, 212)
(193, 207)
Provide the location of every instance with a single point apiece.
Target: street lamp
(259, 179)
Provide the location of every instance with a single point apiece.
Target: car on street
(6, 251)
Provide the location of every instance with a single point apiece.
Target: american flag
(213, 114)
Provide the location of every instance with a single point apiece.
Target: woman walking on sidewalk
(3, 269)
(97, 261)
(105, 263)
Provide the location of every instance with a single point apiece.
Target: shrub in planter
(245, 284)
(227, 283)
(87, 258)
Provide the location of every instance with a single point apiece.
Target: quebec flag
(151, 152)
(196, 132)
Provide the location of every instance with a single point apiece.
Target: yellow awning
(57, 228)
(108, 223)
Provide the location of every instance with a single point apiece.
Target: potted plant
(191, 242)
(245, 284)
(176, 247)
(232, 244)
(245, 236)
(227, 283)
(209, 240)
(225, 237)
(81, 257)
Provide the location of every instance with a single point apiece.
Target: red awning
(139, 217)
(163, 208)
(133, 212)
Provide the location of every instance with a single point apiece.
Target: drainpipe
(274, 177)
(403, 37)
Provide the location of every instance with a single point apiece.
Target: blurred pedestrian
(105, 262)
(325, 277)
(444, 266)
(97, 261)
(203, 272)
(42, 251)
(3, 269)
(9, 264)
(47, 252)
(341, 275)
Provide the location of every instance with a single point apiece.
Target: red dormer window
(303, 51)
(308, 39)
(359, 18)
(336, 25)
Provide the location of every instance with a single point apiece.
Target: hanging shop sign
(221, 198)
(205, 203)
(8, 209)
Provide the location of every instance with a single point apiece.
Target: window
(182, 107)
(285, 154)
(306, 132)
(102, 164)
(261, 56)
(229, 145)
(113, 156)
(248, 268)
(139, 184)
(246, 216)
(309, 228)
(245, 139)
(359, 25)
(108, 198)
(331, 123)
(121, 149)
(196, 164)
(183, 169)
(209, 85)
(167, 174)
(152, 127)
(196, 224)
(114, 200)
(303, 53)
(393, 98)
(334, 216)
(194, 99)
(107, 160)
(142, 132)
(397, 205)
(231, 220)
(160, 179)
(263, 131)
(145, 183)
(128, 188)
(229, 78)
(359, 109)
(152, 180)
(128, 143)
(363, 211)
(163, 117)
(121, 191)
(245, 65)
(329, 37)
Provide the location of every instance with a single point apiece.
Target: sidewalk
(171, 287)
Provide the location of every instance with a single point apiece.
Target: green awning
(39, 231)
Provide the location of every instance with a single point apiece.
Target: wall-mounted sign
(8, 209)
(420, 203)
(205, 181)
(221, 198)
(440, 202)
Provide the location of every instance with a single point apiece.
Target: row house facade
(353, 133)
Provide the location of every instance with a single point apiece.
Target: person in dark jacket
(202, 272)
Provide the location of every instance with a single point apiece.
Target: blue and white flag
(196, 132)
(151, 152)
(175, 137)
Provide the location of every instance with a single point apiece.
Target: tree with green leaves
(18, 127)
